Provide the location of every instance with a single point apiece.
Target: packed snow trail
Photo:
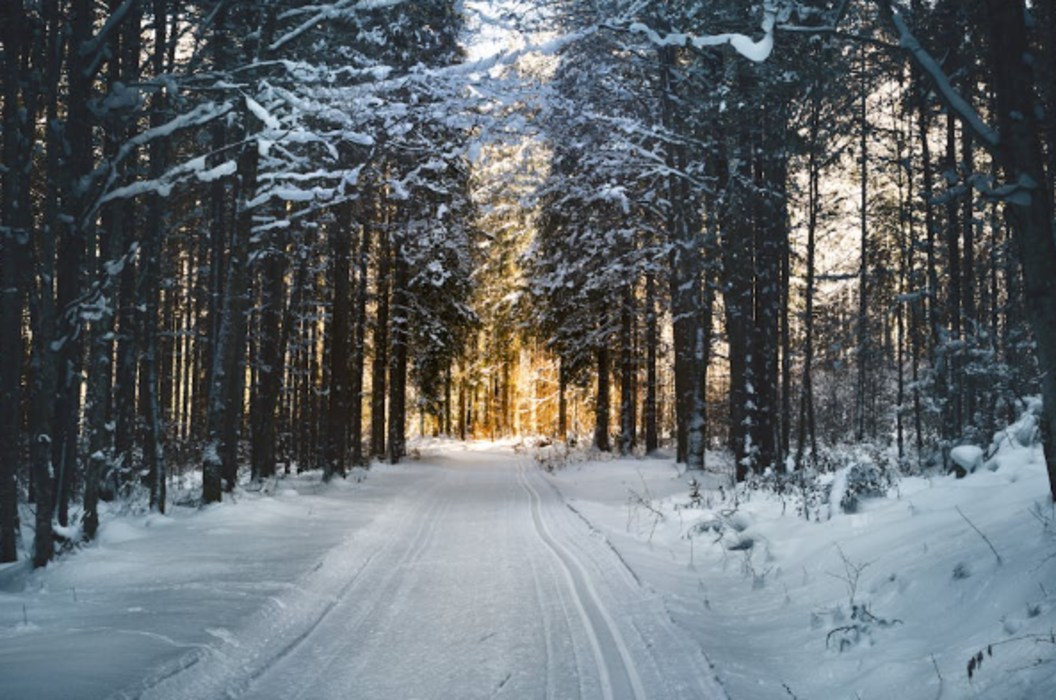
(477, 582)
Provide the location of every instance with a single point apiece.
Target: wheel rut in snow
(616, 669)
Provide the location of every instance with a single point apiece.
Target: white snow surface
(474, 573)
(764, 614)
(462, 575)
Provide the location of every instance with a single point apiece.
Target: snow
(755, 51)
(941, 82)
(220, 171)
(474, 572)
(968, 457)
(763, 612)
(262, 114)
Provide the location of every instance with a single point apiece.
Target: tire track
(607, 643)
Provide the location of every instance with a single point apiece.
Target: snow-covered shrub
(552, 455)
(966, 459)
(860, 481)
(807, 490)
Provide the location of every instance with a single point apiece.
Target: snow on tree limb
(322, 13)
(939, 80)
(262, 114)
(200, 115)
(756, 51)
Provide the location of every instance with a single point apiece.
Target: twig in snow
(852, 573)
(936, 665)
(980, 533)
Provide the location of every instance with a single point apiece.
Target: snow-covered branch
(939, 80)
(322, 13)
(757, 51)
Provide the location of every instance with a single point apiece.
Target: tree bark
(628, 400)
(359, 347)
(340, 331)
(1021, 156)
(399, 340)
(225, 399)
(13, 244)
(601, 401)
(381, 348)
(684, 260)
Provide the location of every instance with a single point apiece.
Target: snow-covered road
(472, 579)
(478, 582)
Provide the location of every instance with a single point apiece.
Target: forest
(240, 239)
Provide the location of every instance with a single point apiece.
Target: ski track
(601, 630)
(477, 582)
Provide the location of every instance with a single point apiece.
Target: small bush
(864, 480)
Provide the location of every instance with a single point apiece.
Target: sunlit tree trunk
(652, 339)
(601, 400)
(628, 367)
(359, 347)
(381, 348)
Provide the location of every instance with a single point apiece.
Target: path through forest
(472, 579)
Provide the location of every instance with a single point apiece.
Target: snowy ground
(777, 618)
(475, 573)
(460, 576)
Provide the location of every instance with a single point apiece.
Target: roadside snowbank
(892, 601)
(156, 592)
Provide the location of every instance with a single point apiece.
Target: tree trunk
(1021, 156)
(863, 253)
(71, 269)
(150, 283)
(273, 333)
(601, 402)
(628, 400)
(381, 348)
(44, 354)
(562, 402)
(225, 399)
(359, 347)
(340, 331)
(652, 339)
(399, 339)
(684, 260)
(13, 244)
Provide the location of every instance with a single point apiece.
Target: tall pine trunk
(652, 340)
(399, 339)
(225, 398)
(601, 401)
(628, 368)
(1021, 156)
(340, 235)
(13, 249)
(359, 347)
(381, 348)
